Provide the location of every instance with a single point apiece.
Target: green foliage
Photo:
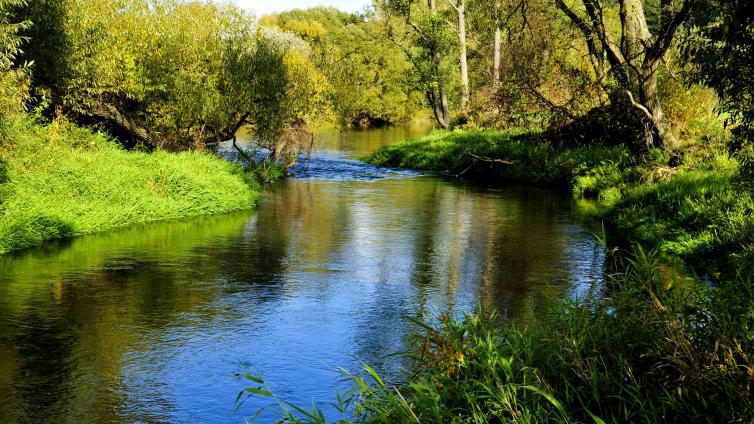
(13, 80)
(172, 74)
(63, 181)
(720, 44)
(701, 211)
(367, 74)
(604, 181)
(473, 154)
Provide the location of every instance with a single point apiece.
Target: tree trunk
(635, 39)
(635, 35)
(465, 91)
(436, 95)
(496, 53)
(661, 136)
(113, 116)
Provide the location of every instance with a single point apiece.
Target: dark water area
(153, 323)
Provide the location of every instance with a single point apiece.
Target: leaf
(258, 391)
(252, 378)
(550, 398)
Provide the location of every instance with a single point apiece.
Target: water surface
(152, 323)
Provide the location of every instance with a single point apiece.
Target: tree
(635, 59)
(368, 76)
(460, 7)
(420, 30)
(176, 75)
(13, 79)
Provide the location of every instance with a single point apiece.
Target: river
(153, 323)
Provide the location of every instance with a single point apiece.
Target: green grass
(531, 161)
(59, 181)
(659, 347)
(701, 210)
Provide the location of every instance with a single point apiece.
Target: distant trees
(420, 30)
(368, 77)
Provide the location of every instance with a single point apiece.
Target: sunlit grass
(63, 181)
(473, 154)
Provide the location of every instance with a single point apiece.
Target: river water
(154, 322)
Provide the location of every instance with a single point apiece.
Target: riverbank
(60, 180)
(660, 348)
(653, 344)
(495, 155)
(690, 203)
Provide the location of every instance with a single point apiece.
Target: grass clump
(658, 348)
(699, 210)
(511, 154)
(60, 180)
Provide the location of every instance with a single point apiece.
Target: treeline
(649, 64)
(184, 75)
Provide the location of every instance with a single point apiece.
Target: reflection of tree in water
(298, 226)
(523, 249)
(65, 332)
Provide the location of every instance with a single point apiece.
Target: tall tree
(497, 44)
(635, 59)
(460, 8)
(421, 31)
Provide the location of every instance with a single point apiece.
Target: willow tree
(633, 55)
(177, 75)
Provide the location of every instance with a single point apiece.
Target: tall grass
(658, 348)
(60, 180)
(510, 154)
(701, 210)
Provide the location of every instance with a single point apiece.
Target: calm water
(152, 323)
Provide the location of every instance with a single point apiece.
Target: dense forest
(112, 112)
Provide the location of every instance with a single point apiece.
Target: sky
(263, 7)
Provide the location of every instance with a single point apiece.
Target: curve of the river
(153, 323)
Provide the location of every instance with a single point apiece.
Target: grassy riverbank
(658, 349)
(690, 203)
(477, 154)
(59, 181)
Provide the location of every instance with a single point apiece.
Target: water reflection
(152, 323)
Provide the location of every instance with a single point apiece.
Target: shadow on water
(151, 323)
